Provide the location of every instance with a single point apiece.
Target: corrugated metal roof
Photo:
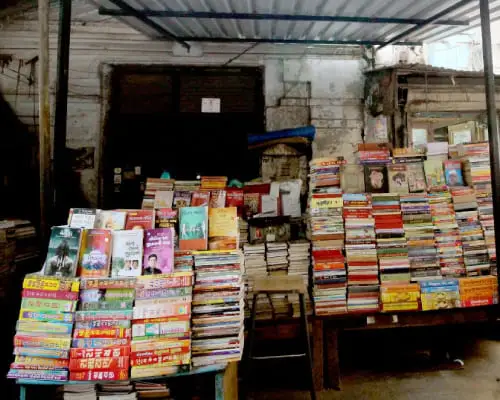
(304, 30)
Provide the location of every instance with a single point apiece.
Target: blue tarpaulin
(307, 132)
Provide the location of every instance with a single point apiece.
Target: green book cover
(193, 228)
(64, 248)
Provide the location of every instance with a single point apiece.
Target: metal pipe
(291, 41)
(44, 147)
(276, 17)
(132, 12)
(427, 22)
(493, 134)
(61, 112)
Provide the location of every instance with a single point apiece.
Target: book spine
(159, 353)
(41, 316)
(165, 360)
(148, 371)
(152, 345)
(105, 305)
(102, 333)
(96, 343)
(100, 375)
(108, 283)
(478, 302)
(143, 294)
(38, 352)
(82, 316)
(162, 310)
(50, 375)
(22, 362)
(161, 328)
(162, 320)
(399, 297)
(53, 284)
(50, 294)
(103, 324)
(109, 352)
(82, 364)
(166, 300)
(444, 289)
(44, 327)
(44, 343)
(165, 283)
(48, 304)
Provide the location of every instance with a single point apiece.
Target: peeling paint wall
(322, 85)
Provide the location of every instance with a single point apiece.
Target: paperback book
(63, 252)
(193, 228)
(95, 255)
(158, 251)
(127, 253)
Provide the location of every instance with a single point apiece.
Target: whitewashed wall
(318, 82)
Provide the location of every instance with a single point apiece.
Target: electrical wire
(251, 47)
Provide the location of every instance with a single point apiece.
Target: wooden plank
(332, 374)
(318, 347)
(231, 381)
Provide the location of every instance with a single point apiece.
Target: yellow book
(52, 283)
(400, 297)
(387, 307)
(223, 232)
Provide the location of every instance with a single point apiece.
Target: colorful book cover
(398, 178)
(100, 375)
(453, 173)
(108, 283)
(118, 351)
(82, 316)
(376, 179)
(82, 218)
(181, 199)
(217, 199)
(63, 252)
(193, 228)
(51, 283)
(434, 175)
(164, 199)
(223, 232)
(140, 219)
(45, 316)
(166, 218)
(110, 219)
(95, 255)
(104, 363)
(103, 324)
(102, 333)
(38, 352)
(50, 294)
(200, 199)
(42, 375)
(416, 177)
(99, 343)
(175, 280)
(127, 251)
(158, 251)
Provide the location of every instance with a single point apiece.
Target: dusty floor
(385, 374)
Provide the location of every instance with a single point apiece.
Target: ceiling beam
(276, 17)
(293, 41)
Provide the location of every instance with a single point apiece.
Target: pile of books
(150, 390)
(27, 246)
(100, 349)
(161, 332)
(255, 267)
(440, 294)
(479, 291)
(217, 308)
(392, 250)
(374, 153)
(363, 299)
(447, 235)
(116, 391)
(243, 228)
(299, 260)
(399, 297)
(329, 278)
(324, 173)
(476, 258)
(83, 391)
(213, 182)
(419, 232)
(325, 216)
(360, 241)
(183, 261)
(277, 258)
(43, 331)
(158, 193)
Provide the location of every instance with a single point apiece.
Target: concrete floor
(479, 380)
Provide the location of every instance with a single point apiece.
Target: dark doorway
(155, 122)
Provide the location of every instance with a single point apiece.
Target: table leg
(231, 381)
(22, 392)
(219, 386)
(332, 358)
(318, 354)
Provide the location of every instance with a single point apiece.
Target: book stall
(124, 297)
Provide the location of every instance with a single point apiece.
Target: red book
(199, 199)
(83, 364)
(140, 219)
(102, 333)
(100, 375)
(50, 294)
(118, 351)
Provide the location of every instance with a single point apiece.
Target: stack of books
(158, 191)
(329, 278)
(419, 232)
(187, 186)
(360, 241)
(447, 235)
(161, 332)
(299, 260)
(213, 182)
(479, 291)
(183, 261)
(475, 251)
(255, 267)
(78, 392)
(243, 228)
(116, 391)
(374, 153)
(150, 390)
(217, 307)
(324, 173)
(399, 297)
(43, 331)
(440, 294)
(100, 348)
(363, 299)
(325, 216)
(392, 250)
(277, 258)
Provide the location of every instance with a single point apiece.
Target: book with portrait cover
(126, 257)
(376, 179)
(182, 198)
(193, 228)
(453, 173)
(416, 177)
(95, 254)
(63, 251)
(110, 219)
(140, 219)
(398, 178)
(158, 251)
(223, 232)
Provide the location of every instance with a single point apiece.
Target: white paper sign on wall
(210, 105)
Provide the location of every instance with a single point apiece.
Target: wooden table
(226, 380)
(326, 333)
